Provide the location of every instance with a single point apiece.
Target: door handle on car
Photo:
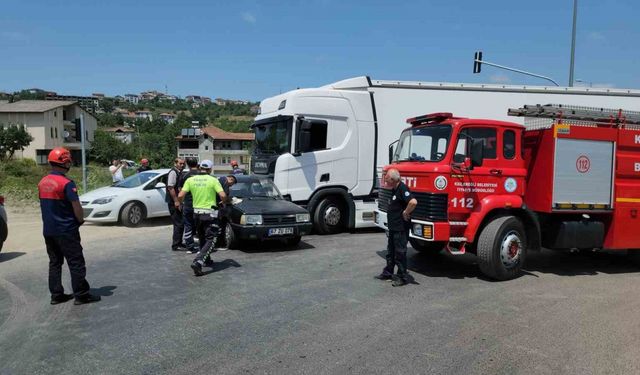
(496, 172)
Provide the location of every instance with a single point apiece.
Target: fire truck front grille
(431, 207)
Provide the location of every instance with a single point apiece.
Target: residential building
(217, 145)
(144, 115)
(88, 103)
(124, 135)
(169, 118)
(132, 98)
(51, 123)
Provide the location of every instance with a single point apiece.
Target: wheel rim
(135, 214)
(227, 235)
(511, 249)
(332, 216)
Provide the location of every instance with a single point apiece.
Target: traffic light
(477, 62)
(78, 130)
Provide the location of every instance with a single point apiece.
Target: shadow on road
(5, 257)
(546, 261)
(222, 265)
(272, 247)
(146, 223)
(104, 291)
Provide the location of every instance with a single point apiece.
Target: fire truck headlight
(417, 230)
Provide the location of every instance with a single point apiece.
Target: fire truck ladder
(560, 112)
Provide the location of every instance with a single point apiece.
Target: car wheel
(427, 247)
(132, 214)
(329, 216)
(230, 237)
(292, 241)
(502, 248)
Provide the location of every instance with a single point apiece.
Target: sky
(242, 49)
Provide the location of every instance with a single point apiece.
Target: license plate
(280, 231)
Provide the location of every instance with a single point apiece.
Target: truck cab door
(474, 182)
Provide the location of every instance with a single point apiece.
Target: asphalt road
(318, 310)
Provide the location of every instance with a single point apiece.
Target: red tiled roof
(119, 129)
(217, 133)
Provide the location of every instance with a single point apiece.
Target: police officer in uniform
(174, 206)
(61, 219)
(187, 206)
(203, 189)
(401, 205)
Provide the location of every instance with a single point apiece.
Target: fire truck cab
(568, 179)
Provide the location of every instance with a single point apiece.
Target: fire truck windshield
(273, 137)
(427, 143)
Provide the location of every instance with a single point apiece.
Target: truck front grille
(431, 207)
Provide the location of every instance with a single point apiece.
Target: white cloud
(14, 36)
(248, 17)
(499, 78)
(595, 36)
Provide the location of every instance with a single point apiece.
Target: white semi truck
(325, 147)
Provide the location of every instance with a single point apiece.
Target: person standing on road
(401, 205)
(235, 169)
(144, 166)
(225, 208)
(174, 206)
(203, 189)
(61, 218)
(187, 206)
(116, 170)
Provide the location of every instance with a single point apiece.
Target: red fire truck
(568, 179)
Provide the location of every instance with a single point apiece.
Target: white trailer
(325, 147)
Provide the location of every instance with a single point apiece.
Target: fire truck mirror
(458, 158)
(477, 148)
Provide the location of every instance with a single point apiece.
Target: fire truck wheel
(425, 247)
(329, 216)
(502, 248)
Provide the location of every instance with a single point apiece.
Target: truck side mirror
(477, 149)
(391, 151)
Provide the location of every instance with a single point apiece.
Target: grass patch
(19, 179)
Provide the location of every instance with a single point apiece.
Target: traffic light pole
(478, 63)
(84, 156)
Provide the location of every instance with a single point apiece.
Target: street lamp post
(573, 42)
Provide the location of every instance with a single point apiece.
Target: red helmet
(234, 163)
(144, 161)
(59, 155)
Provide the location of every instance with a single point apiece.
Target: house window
(51, 131)
(56, 132)
(244, 159)
(55, 113)
(206, 148)
(226, 145)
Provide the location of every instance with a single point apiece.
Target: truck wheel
(132, 214)
(502, 248)
(230, 237)
(427, 247)
(329, 216)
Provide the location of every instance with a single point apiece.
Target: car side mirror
(458, 158)
(477, 156)
(392, 150)
(303, 136)
(161, 185)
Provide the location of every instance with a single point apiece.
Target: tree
(105, 148)
(12, 139)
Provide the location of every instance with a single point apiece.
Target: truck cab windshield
(273, 136)
(428, 143)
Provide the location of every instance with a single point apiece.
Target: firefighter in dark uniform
(61, 219)
(204, 189)
(401, 205)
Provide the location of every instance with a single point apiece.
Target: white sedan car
(130, 201)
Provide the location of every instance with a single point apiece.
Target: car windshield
(427, 143)
(273, 137)
(262, 188)
(136, 180)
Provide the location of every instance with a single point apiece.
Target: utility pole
(573, 42)
(84, 155)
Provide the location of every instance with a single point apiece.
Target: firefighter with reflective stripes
(203, 189)
(61, 218)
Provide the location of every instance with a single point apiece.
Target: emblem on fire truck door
(510, 184)
(440, 182)
(583, 164)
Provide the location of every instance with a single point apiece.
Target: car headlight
(251, 219)
(103, 200)
(417, 230)
(302, 218)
